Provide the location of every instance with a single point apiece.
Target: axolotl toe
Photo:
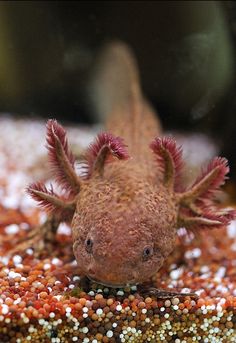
(130, 200)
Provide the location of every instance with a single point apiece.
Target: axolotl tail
(118, 100)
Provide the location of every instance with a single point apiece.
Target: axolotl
(127, 205)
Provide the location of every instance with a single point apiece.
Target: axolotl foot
(41, 238)
(160, 293)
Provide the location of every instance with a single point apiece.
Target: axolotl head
(123, 227)
(124, 224)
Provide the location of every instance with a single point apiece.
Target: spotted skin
(119, 215)
(128, 205)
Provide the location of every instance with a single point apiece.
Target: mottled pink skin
(122, 213)
(126, 212)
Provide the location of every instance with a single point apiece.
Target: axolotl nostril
(129, 202)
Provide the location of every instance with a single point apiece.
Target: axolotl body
(128, 204)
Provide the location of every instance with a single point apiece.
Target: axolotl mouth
(113, 285)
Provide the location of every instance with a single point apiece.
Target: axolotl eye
(147, 253)
(89, 245)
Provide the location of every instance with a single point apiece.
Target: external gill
(61, 207)
(197, 208)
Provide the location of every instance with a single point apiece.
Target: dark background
(185, 51)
